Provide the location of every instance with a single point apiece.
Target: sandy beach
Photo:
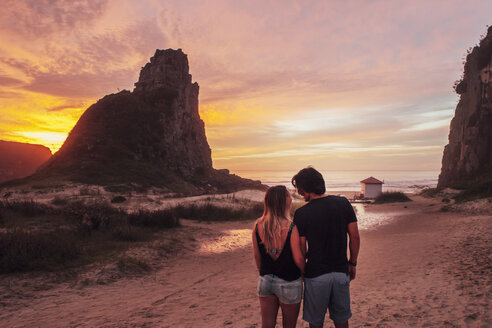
(424, 268)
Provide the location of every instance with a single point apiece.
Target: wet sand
(425, 268)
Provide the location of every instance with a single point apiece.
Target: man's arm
(354, 245)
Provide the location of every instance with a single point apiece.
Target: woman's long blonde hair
(274, 209)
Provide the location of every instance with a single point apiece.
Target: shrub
(59, 201)
(429, 192)
(22, 250)
(445, 208)
(28, 208)
(391, 197)
(118, 188)
(480, 188)
(129, 233)
(84, 191)
(93, 216)
(118, 199)
(157, 219)
(132, 265)
(211, 212)
(91, 231)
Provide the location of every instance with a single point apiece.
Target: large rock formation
(18, 160)
(184, 141)
(469, 152)
(152, 136)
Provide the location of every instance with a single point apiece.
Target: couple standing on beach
(317, 234)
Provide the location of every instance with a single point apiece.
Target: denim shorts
(329, 291)
(287, 292)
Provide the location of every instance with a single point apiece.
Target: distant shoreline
(349, 180)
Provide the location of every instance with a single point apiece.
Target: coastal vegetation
(391, 197)
(118, 199)
(479, 188)
(40, 237)
(429, 192)
(210, 212)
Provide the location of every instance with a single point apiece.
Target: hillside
(152, 136)
(18, 160)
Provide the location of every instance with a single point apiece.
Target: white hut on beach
(371, 187)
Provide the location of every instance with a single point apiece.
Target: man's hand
(354, 245)
(352, 271)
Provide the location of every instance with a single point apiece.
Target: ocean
(404, 181)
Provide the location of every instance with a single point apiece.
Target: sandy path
(426, 269)
(220, 291)
(212, 286)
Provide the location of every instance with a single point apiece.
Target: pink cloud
(36, 18)
(93, 66)
(385, 62)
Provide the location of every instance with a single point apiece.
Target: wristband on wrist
(352, 263)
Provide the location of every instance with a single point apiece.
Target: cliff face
(18, 160)
(469, 152)
(151, 136)
(184, 140)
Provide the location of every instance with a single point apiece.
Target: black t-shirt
(324, 222)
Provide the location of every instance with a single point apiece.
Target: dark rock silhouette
(152, 136)
(468, 156)
(18, 160)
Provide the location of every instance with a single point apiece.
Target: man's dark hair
(309, 180)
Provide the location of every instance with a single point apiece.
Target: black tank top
(284, 266)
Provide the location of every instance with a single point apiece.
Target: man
(323, 224)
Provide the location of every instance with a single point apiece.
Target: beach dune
(424, 268)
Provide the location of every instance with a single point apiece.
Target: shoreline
(423, 268)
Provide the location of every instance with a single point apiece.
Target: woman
(279, 260)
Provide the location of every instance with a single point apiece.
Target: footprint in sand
(471, 318)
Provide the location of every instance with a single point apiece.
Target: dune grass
(480, 188)
(211, 212)
(429, 192)
(162, 219)
(118, 199)
(59, 201)
(391, 197)
(27, 208)
(23, 250)
(38, 237)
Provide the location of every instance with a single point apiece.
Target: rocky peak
(151, 136)
(469, 152)
(167, 69)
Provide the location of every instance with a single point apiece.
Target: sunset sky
(346, 85)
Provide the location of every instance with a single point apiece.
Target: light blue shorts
(288, 292)
(329, 291)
